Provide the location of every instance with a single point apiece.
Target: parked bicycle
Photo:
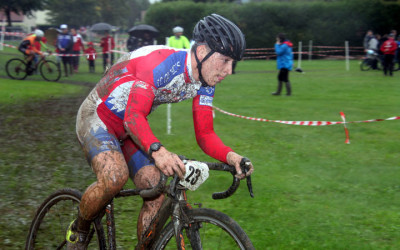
(18, 69)
(372, 61)
(177, 225)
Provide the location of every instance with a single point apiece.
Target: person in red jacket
(76, 48)
(91, 56)
(108, 44)
(388, 49)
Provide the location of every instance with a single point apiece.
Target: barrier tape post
(169, 120)
(347, 141)
(299, 56)
(3, 29)
(346, 45)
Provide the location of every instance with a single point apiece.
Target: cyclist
(116, 110)
(30, 47)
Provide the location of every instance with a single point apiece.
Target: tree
(121, 13)
(20, 7)
(75, 13)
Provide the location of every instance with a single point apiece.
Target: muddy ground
(39, 153)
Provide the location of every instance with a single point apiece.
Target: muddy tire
(48, 228)
(16, 69)
(209, 229)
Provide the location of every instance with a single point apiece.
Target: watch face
(155, 146)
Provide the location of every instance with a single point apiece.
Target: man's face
(216, 68)
(65, 31)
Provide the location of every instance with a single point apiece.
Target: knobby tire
(48, 228)
(216, 231)
(50, 71)
(16, 69)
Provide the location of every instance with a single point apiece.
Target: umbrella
(101, 27)
(140, 29)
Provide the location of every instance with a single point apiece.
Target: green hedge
(325, 23)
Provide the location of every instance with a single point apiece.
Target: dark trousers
(283, 77)
(388, 64)
(66, 60)
(75, 60)
(105, 59)
(91, 66)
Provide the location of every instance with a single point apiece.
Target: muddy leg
(147, 177)
(112, 174)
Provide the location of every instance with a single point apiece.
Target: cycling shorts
(100, 134)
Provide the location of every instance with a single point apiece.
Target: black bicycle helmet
(221, 35)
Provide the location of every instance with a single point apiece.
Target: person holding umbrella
(112, 124)
(141, 35)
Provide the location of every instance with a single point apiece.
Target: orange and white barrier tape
(310, 123)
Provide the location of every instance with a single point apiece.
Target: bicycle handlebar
(236, 181)
(155, 191)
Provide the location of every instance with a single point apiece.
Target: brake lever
(244, 164)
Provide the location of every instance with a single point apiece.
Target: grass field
(312, 191)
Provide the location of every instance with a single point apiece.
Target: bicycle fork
(110, 225)
(181, 222)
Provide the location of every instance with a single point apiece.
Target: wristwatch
(154, 147)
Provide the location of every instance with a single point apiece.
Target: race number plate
(196, 174)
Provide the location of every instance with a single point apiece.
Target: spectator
(76, 49)
(108, 44)
(146, 40)
(178, 40)
(132, 43)
(381, 40)
(91, 56)
(373, 45)
(367, 37)
(388, 49)
(64, 45)
(283, 50)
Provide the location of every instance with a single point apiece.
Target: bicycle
(18, 69)
(192, 228)
(371, 62)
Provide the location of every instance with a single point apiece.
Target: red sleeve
(139, 106)
(207, 139)
(81, 44)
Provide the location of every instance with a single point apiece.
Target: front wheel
(208, 229)
(50, 71)
(48, 228)
(366, 65)
(16, 69)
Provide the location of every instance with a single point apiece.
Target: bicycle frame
(155, 226)
(174, 206)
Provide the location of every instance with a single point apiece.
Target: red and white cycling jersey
(133, 87)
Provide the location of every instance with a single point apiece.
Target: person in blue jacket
(65, 43)
(283, 50)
